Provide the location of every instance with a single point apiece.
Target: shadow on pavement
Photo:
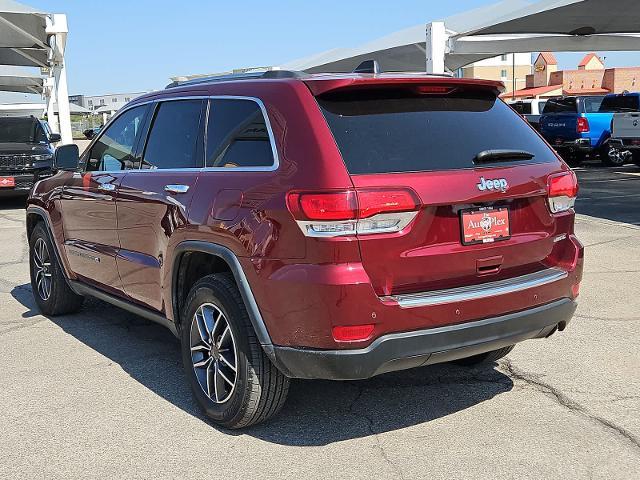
(609, 193)
(11, 203)
(316, 412)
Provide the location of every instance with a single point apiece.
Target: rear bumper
(400, 351)
(583, 145)
(625, 143)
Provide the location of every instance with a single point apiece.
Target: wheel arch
(225, 255)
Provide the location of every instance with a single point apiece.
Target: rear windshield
(393, 131)
(18, 130)
(620, 103)
(522, 108)
(561, 105)
(592, 104)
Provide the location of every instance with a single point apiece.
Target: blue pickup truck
(577, 127)
(581, 126)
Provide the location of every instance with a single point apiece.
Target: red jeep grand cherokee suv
(285, 225)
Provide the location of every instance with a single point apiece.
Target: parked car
(530, 109)
(26, 153)
(313, 226)
(577, 127)
(624, 144)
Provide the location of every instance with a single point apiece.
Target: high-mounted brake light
(434, 89)
(350, 212)
(583, 125)
(562, 189)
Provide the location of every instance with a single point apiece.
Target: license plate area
(484, 225)
(7, 182)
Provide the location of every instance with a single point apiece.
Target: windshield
(392, 131)
(18, 130)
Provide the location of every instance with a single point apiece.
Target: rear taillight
(562, 191)
(583, 125)
(351, 212)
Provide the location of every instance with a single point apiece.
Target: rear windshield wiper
(488, 156)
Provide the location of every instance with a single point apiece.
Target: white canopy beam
(57, 30)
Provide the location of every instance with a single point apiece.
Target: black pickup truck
(26, 153)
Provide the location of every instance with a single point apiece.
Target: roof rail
(269, 74)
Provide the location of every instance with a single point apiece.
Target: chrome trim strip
(475, 292)
(263, 108)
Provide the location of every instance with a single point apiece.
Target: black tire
(487, 357)
(260, 389)
(636, 158)
(58, 298)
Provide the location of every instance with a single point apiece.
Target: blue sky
(135, 45)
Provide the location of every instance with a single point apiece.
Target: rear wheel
(636, 158)
(48, 283)
(612, 157)
(232, 379)
(487, 357)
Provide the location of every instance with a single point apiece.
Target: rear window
(393, 131)
(592, 104)
(620, 103)
(561, 105)
(522, 108)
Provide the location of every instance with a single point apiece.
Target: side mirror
(66, 157)
(54, 138)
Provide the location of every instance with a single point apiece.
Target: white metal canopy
(21, 83)
(510, 26)
(32, 38)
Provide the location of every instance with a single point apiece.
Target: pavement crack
(370, 427)
(566, 402)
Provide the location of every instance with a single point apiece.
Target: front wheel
(232, 379)
(48, 283)
(487, 357)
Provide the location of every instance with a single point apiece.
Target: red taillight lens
(323, 206)
(563, 184)
(562, 189)
(583, 125)
(373, 202)
(352, 333)
(349, 212)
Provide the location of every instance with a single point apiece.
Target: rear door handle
(176, 188)
(107, 187)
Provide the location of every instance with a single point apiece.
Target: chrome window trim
(263, 108)
(475, 292)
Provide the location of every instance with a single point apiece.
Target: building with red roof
(590, 78)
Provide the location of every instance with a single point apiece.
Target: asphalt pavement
(101, 394)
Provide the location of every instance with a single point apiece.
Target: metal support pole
(50, 98)
(435, 45)
(58, 30)
(62, 96)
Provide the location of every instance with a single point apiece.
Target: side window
(173, 138)
(40, 134)
(237, 135)
(114, 150)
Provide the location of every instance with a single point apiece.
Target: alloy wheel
(214, 353)
(42, 269)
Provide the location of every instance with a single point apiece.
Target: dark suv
(285, 226)
(26, 153)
